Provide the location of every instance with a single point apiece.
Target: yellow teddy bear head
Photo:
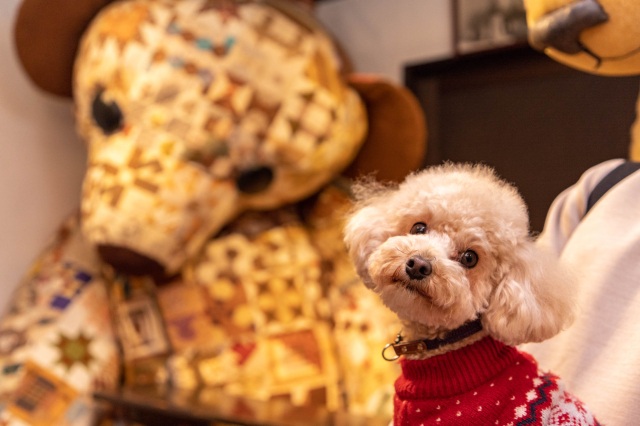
(596, 36)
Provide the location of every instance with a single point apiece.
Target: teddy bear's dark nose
(418, 268)
(561, 28)
(128, 262)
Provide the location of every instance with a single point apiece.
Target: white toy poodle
(449, 251)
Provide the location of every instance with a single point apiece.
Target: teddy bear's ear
(47, 34)
(396, 140)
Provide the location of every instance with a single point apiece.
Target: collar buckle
(421, 346)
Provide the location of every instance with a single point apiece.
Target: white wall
(41, 159)
(381, 36)
(41, 163)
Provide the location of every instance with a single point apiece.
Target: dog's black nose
(418, 267)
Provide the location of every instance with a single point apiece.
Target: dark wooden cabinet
(539, 123)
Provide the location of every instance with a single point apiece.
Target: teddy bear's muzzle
(561, 28)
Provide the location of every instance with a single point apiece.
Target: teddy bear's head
(596, 36)
(194, 111)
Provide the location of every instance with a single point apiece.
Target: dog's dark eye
(107, 116)
(419, 228)
(469, 259)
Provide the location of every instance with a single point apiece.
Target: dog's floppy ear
(533, 298)
(361, 239)
(367, 227)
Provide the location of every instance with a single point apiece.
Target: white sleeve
(568, 209)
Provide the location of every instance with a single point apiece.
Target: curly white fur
(520, 292)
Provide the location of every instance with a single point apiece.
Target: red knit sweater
(485, 383)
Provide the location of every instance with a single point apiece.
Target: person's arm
(569, 208)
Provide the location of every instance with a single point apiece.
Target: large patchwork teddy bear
(207, 250)
(594, 225)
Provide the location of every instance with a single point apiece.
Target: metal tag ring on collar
(384, 350)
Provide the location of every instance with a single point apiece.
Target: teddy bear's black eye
(419, 228)
(255, 180)
(107, 115)
(469, 259)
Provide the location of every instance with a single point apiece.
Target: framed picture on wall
(488, 24)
